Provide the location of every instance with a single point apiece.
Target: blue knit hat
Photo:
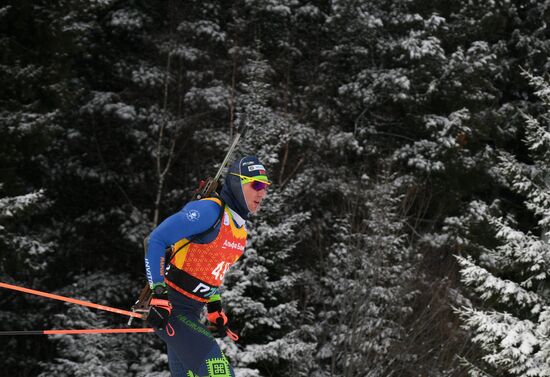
(232, 191)
(249, 166)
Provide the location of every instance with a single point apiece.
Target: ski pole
(76, 332)
(71, 300)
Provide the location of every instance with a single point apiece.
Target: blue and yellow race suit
(193, 277)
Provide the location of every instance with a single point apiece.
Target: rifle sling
(202, 234)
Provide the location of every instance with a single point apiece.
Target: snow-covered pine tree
(96, 161)
(32, 88)
(389, 93)
(368, 284)
(434, 75)
(22, 250)
(24, 256)
(510, 320)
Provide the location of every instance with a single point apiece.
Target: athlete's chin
(254, 207)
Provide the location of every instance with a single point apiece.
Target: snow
(10, 206)
(127, 19)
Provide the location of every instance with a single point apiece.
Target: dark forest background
(405, 234)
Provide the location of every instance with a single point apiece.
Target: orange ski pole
(71, 300)
(76, 332)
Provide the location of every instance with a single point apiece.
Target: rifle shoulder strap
(194, 237)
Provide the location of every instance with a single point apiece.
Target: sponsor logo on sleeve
(162, 265)
(148, 270)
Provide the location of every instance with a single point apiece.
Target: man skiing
(206, 237)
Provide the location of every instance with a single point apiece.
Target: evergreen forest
(407, 229)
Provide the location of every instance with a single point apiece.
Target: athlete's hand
(159, 311)
(217, 317)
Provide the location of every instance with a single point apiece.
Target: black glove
(160, 311)
(216, 316)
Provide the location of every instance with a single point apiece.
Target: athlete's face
(253, 197)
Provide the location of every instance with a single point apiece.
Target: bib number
(220, 270)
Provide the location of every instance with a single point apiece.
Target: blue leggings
(192, 350)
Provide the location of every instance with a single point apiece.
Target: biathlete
(205, 238)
